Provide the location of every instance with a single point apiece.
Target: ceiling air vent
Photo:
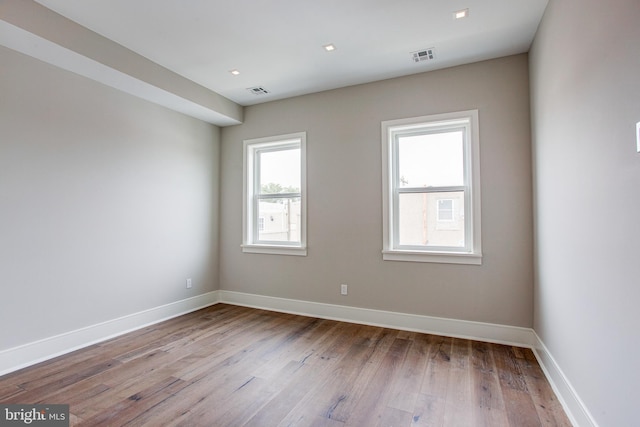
(258, 90)
(424, 55)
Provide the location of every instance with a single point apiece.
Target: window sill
(275, 250)
(435, 257)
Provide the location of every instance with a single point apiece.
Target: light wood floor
(235, 366)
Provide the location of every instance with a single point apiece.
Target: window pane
(280, 171)
(445, 210)
(433, 159)
(420, 225)
(280, 220)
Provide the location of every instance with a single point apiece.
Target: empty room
(319, 213)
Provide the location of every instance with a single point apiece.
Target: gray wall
(585, 88)
(345, 201)
(107, 202)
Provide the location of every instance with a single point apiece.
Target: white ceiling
(278, 44)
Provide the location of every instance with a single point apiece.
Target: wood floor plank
(345, 376)
(392, 417)
(8, 390)
(436, 379)
(292, 383)
(547, 405)
(323, 422)
(236, 366)
(519, 405)
(301, 349)
(408, 381)
(429, 411)
(39, 393)
(50, 366)
(239, 366)
(56, 369)
(508, 370)
(267, 401)
(458, 408)
(488, 405)
(352, 390)
(266, 359)
(369, 407)
(79, 395)
(230, 349)
(127, 410)
(430, 406)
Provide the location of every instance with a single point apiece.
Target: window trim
(472, 254)
(249, 198)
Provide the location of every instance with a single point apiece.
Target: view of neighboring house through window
(431, 189)
(274, 195)
(445, 210)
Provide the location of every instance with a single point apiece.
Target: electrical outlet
(343, 289)
(188, 283)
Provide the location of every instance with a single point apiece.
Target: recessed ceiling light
(461, 14)
(235, 72)
(329, 47)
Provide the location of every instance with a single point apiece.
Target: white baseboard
(501, 334)
(38, 351)
(574, 406)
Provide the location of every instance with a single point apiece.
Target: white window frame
(250, 226)
(391, 129)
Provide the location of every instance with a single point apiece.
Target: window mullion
(450, 189)
(279, 195)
